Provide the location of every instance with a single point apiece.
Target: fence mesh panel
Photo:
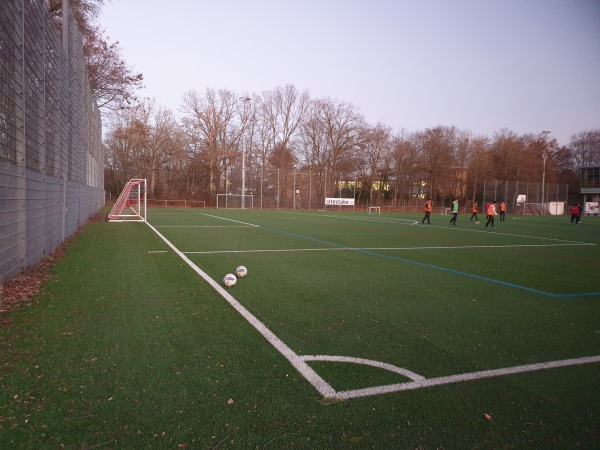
(51, 158)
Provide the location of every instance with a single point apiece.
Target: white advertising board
(334, 201)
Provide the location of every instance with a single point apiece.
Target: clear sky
(480, 65)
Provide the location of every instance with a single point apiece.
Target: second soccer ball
(241, 271)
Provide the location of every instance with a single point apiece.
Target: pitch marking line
(324, 388)
(338, 249)
(368, 362)
(424, 383)
(231, 220)
(206, 226)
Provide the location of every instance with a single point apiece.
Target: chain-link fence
(51, 157)
(306, 189)
(525, 197)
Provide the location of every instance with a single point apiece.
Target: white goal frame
(235, 201)
(131, 204)
(374, 210)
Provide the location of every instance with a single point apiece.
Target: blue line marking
(491, 280)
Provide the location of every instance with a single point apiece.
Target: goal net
(131, 204)
(235, 201)
(534, 208)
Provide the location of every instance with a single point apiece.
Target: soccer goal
(235, 201)
(131, 204)
(533, 208)
(374, 210)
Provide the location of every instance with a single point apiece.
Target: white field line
(423, 383)
(368, 362)
(332, 249)
(304, 369)
(206, 226)
(230, 220)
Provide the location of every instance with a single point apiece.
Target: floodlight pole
(245, 100)
(545, 155)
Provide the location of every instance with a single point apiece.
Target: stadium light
(545, 155)
(245, 100)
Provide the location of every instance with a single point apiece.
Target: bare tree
(141, 142)
(113, 83)
(208, 121)
(342, 125)
(375, 152)
(406, 170)
(585, 148)
(436, 154)
(478, 164)
(284, 108)
(313, 147)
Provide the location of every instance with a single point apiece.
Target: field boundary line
(206, 226)
(230, 220)
(470, 376)
(337, 249)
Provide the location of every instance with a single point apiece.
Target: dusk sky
(524, 65)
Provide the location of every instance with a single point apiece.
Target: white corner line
(424, 383)
(368, 362)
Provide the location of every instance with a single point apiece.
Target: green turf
(127, 347)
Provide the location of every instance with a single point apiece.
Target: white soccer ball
(241, 271)
(229, 280)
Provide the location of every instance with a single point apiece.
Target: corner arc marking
(368, 362)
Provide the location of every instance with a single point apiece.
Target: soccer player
(454, 211)
(491, 212)
(574, 214)
(427, 211)
(502, 211)
(474, 212)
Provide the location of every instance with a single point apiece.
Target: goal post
(131, 204)
(374, 210)
(235, 201)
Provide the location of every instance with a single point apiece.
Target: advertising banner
(330, 201)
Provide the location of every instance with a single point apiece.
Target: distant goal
(235, 201)
(131, 204)
(374, 210)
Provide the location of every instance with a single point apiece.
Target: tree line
(222, 139)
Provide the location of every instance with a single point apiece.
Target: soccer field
(417, 305)
(351, 330)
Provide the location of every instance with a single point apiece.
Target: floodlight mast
(245, 100)
(545, 155)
